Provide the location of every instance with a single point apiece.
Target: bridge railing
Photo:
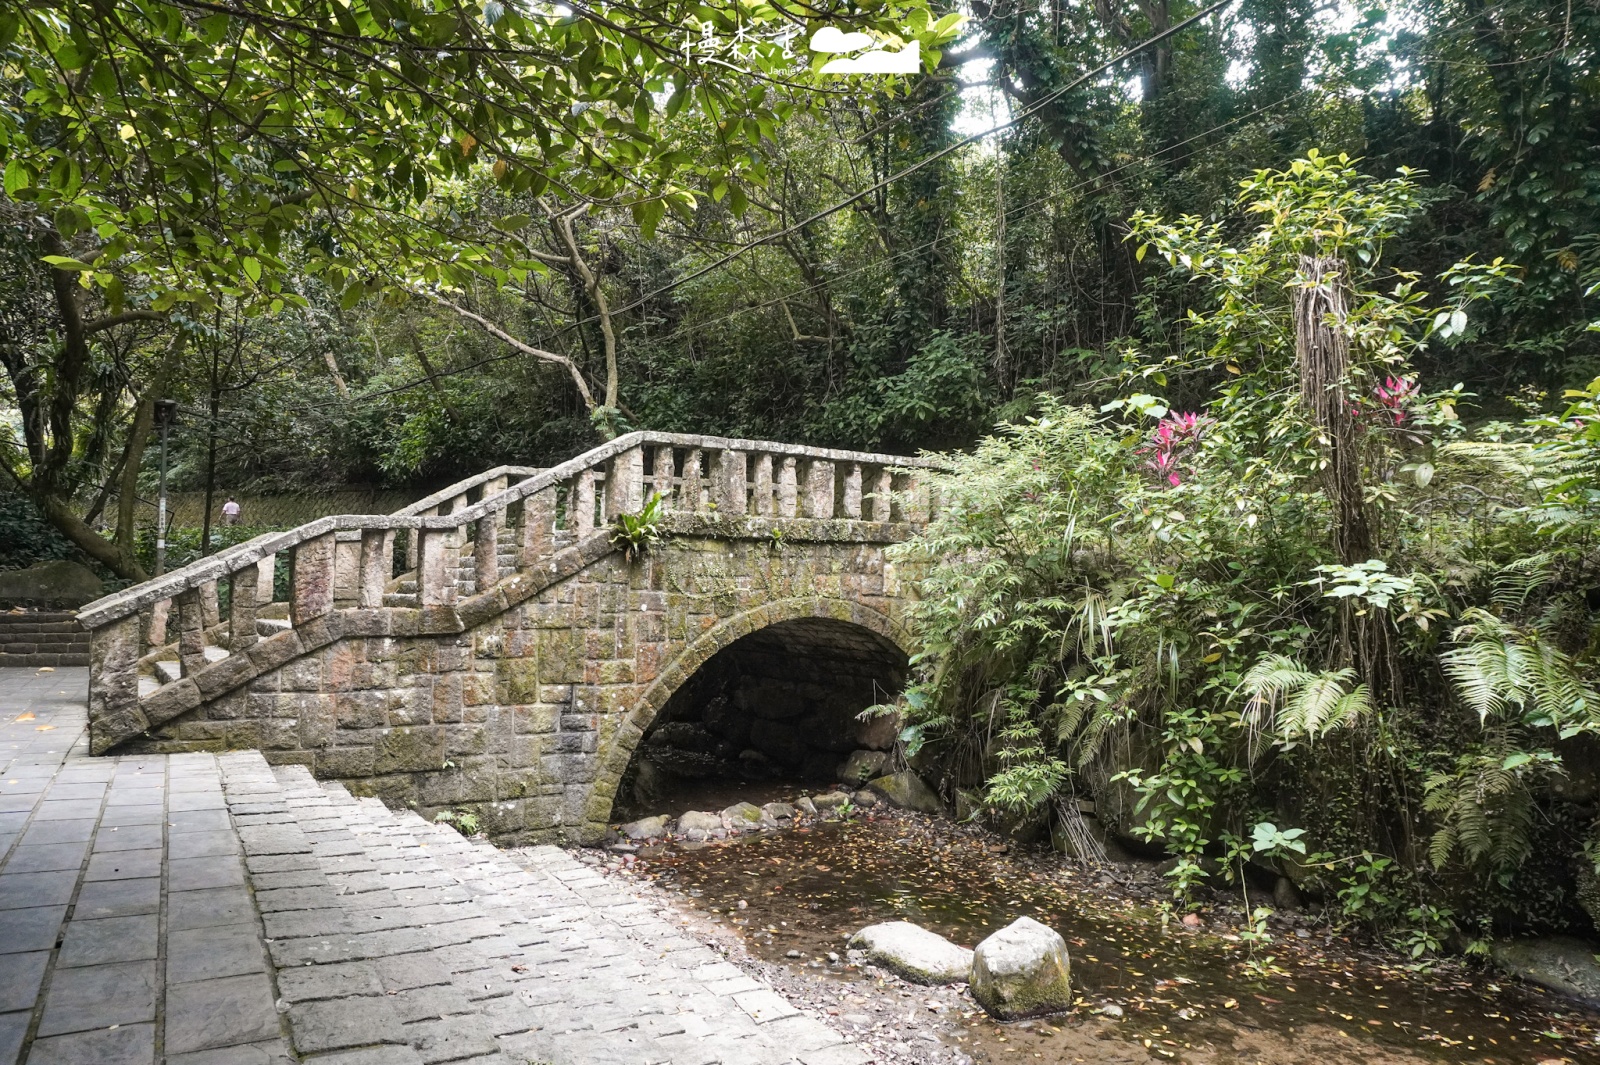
(464, 539)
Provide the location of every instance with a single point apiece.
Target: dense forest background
(940, 304)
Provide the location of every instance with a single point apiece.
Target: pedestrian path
(200, 909)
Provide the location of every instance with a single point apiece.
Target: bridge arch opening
(776, 709)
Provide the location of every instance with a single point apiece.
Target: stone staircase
(42, 638)
(397, 941)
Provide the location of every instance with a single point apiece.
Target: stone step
(19, 634)
(36, 659)
(266, 627)
(167, 672)
(40, 621)
(549, 963)
(400, 599)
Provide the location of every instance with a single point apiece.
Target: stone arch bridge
(490, 648)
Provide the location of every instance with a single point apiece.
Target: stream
(1148, 988)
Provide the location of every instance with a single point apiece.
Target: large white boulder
(913, 952)
(1022, 971)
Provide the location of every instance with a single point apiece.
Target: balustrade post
(436, 576)
(311, 579)
(691, 494)
(730, 482)
(242, 587)
(763, 487)
(413, 550)
(346, 566)
(585, 504)
(210, 610)
(538, 526)
(818, 499)
(486, 551)
(788, 489)
(114, 652)
(155, 624)
(377, 562)
(267, 580)
(852, 491)
(625, 484)
(882, 494)
(661, 474)
(915, 501)
(191, 631)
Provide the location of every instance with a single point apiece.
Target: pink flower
(1394, 395)
(1175, 436)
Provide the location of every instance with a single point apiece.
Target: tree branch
(506, 338)
(114, 320)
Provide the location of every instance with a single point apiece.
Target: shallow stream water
(1185, 994)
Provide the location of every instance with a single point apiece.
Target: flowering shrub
(1394, 396)
(1176, 437)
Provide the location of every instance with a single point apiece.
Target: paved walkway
(211, 910)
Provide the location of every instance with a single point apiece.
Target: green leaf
(64, 262)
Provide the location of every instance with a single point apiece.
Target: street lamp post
(166, 411)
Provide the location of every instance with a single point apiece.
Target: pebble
(1111, 1010)
(793, 954)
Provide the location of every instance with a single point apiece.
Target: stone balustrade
(162, 647)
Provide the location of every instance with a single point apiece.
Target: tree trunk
(1322, 350)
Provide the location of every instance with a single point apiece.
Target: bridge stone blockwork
(500, 654)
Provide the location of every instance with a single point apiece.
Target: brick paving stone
(334, 1024)
(388, 1055)
(118, 898)
(201, 844)
(109, 939)
(19, 890)
(20, 978)
(124, 865)
(72, 810)
(58, 831)
(132, 1044)
(47, 857)
(218, 870)
(210, 953)
(99, 996)
(13, 1029)
(127, 837)
(29, 929)
(220, 1013)
(342, 980)
(273, 839)
(271, 1052)
(449, 1039)
(208, 908)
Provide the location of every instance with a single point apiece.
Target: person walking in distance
(230, 512)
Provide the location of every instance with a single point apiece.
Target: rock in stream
(913, 952)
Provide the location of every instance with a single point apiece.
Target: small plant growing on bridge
(637, 534)
(463, 821)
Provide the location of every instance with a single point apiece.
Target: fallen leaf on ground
(26, 717)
